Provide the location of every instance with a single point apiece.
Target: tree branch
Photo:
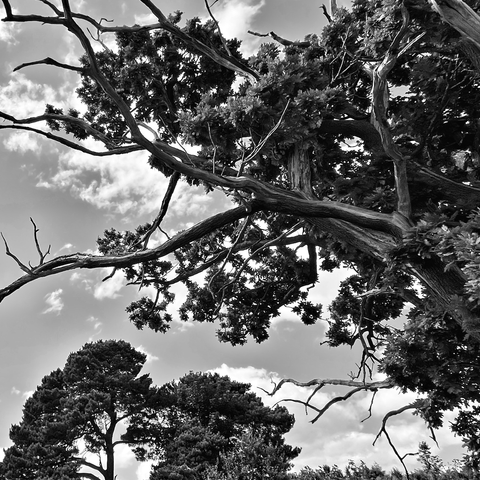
(460, 16)
(379, 117)
(417, 404)
(281, 40)
(74, 261)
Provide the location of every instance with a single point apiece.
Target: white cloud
(27, 394)
(340, 435)
(123, 184)
(7, 31)
(21, 97)
(235, 19)
(22, 142)
(143, 470)
(67, 246)
(97, 326)
(124, 457)
(15, 391)
(150, 357)
(54, 302)
(109, 288)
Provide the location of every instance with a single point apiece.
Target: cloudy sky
(73, 198)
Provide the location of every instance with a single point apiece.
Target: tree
(78, 410)
(213, 421)
(358, 147)
(188, 426)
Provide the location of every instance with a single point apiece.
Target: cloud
(54, 302)
(22, 142)
(97, 326)
(340, 435)
(143, 470)
(21, 97)
(122, 184)
(15, 391)
(7, 33)
(150, 357)
(109, 288)
(27, 394)
(235, 19)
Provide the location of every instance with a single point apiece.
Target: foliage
(216, 425)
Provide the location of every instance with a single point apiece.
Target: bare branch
(222, 38)
(325, 12)
(282, 41)
(321, 382)
(50, 61)
(417, 404)
(73, 145)
(37, 244)
(10, 254)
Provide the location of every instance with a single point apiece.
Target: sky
(73, 198)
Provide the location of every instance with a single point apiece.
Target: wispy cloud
(15, 391)
(150, 357)
(97, 326)
(54, 301)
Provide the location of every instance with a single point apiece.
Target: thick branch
(81, 260)
(379, 118)
(460, 16)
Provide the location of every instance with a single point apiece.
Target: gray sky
(73, 198)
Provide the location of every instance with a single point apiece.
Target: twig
(10, 254)
(222, 38)
(37, 244)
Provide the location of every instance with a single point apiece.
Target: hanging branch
(163, 208)
(417, 404)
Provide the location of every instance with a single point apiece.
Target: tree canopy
(356, 147)
(79, 410)
(80, 414)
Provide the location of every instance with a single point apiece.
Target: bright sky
(73, 198)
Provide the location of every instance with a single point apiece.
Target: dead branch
(37, 244)
(10, 254)
(325, 12)
(222, 38)
(73, 145)
(281, 40)
(321, 382)
(50, 61)
(417, 405)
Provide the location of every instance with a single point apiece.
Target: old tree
(358, 146)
